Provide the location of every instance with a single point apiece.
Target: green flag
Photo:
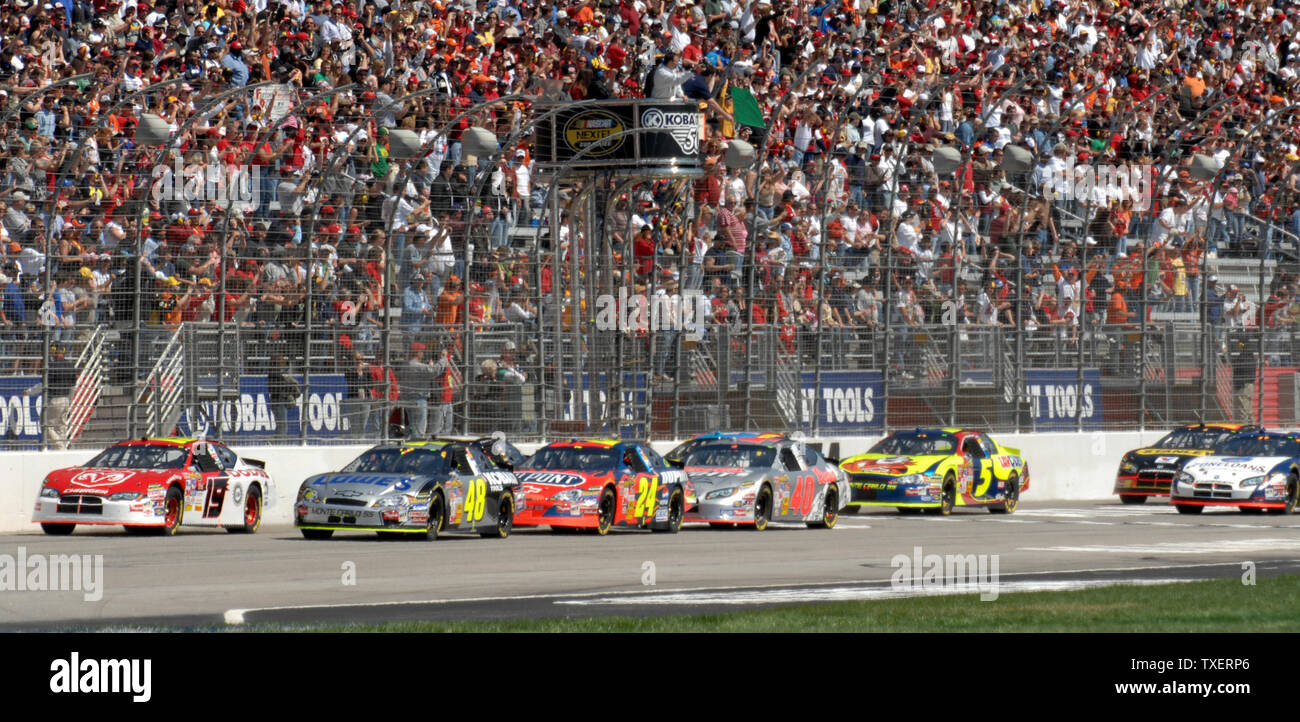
(745, 108)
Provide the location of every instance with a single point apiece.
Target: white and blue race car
(1253, 472)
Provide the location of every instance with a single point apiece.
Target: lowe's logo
(399, 484)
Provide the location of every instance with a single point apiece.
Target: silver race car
(753, 481)
(423, 488)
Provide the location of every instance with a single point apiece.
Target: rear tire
(505, 519)
(1011, 501)
(252, 512)
(1189, 509)
(830, 512)
(1133, 498)
(60, 529)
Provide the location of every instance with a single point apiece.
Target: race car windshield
(1256, 446)
(914, 444)
(744, 456)
(563, 458)
(140, 456)
(1195, 438)
(681, 452)
(400, 461)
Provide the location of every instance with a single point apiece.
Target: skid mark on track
(1226, 546)
(851, 594)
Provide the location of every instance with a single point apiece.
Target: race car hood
(705, 478)
(103, 481)
(545, 483)
(886, 465)
(363, 486)
(1157, 458)
(1232, 469)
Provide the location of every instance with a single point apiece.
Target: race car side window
(633, 461)
(228, 458)
(971, 447)
(790, 460)
(460, 462)
(479, 459)
(656, 460)
(204, 462)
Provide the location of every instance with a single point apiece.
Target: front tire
(436, 520)
(1292, 495)
(58, 529)
(173, 507)
(505, 519)
(605, 511)
(763, 508)
(1189, 509)
(830, 512)
(252, 512)
(676, 512)
(948, 498)
(1011, 501)
(1133, 498)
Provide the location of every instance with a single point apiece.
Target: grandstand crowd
(847, 222)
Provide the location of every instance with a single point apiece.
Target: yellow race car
(936, 470)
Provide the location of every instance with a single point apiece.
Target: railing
(161, 394)
(92, 374)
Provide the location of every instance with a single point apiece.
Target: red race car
(157, 485)
(601, 484)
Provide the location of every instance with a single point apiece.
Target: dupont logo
(75, 675)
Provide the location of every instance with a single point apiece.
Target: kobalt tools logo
(102, 676)
(53, 573)
(684, 127)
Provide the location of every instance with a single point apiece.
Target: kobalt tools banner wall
(848, 401)
(1057, 401)
(20, 416)
(252, 416)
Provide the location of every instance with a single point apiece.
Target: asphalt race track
(213, 579)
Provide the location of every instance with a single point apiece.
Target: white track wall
(1062, 467)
